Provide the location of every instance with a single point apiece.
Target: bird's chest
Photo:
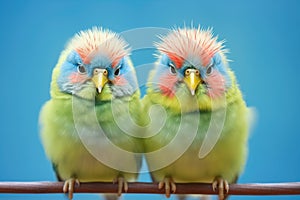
(88, 143)
(201, 148)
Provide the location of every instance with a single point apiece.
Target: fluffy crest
(195, 45)
(99, 41)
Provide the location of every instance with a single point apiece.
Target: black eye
(117, 72)
(172, 68)
(209, 69)
(81, 69)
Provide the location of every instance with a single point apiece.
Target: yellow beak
(100, 78)
(192, 79)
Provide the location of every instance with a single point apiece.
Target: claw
(169, 185)
(69, 186)
(122, 184)
(222, 185)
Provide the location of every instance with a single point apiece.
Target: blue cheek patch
(67, 68)
(126, 71)
(219, 65)
(124, 66)
(162, 68)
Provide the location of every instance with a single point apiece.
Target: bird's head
(191, 63)
(95, 66)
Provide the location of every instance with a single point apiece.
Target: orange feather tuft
(196, 46)
(97, 41)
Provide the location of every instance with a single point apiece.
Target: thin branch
(292, 188)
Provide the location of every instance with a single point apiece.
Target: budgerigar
(203, 104)
(93, 88)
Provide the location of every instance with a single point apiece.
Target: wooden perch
(292, 188)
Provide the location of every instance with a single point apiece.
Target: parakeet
(205, 131)
(94, 92)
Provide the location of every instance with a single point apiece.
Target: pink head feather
(98, 41)
(197, 46)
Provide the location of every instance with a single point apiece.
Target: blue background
(263, 38)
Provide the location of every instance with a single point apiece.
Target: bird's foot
(222, 185)
(169, 185)
(122, 184)
(69, 186)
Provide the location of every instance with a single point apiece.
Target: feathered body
(193, 82)
(92, 84)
